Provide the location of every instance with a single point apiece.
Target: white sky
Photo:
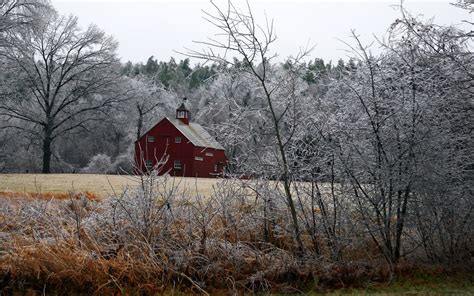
(158, 27)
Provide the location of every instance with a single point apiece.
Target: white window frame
(178, 164)
(151, 139)
(209, 154)
(199, 158)
(177, 140)
(148, 163)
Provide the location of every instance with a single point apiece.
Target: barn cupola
(182, 113)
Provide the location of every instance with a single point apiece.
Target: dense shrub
(99, 164)
(158, 237)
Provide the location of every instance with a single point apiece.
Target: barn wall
(209, 165)
(165, 133)
(197, 161)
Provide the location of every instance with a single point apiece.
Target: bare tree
(147, 97)
(15, 13)
(242, 36)
(401, 129)
(65, 78)
(440, 60)
(234, 109)
(465, 4)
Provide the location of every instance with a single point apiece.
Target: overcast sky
(159, 27)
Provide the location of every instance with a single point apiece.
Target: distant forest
(147, 93)
(127, 98)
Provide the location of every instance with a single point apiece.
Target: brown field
(100, 185)
(75, 247)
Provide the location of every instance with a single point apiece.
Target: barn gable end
(180, 148)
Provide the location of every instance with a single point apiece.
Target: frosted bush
(99, 164)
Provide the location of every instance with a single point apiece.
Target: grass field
(101, 185)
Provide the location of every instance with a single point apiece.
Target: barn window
(199, 158)
(209, 154)
(148, 163)
(177, 140)
(151, 139)
(178, 165)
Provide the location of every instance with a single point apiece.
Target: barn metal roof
(196, 134)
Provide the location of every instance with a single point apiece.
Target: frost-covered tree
(23, 13)
(64, 78)
(244, 37)
(400, 129)
(149, 101)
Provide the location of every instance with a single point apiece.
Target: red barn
(180, 148)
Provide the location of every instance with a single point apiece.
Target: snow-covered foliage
(99, 164)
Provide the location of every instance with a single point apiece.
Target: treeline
(184, 77)
(180, 76)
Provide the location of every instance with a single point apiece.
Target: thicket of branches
(159, 238)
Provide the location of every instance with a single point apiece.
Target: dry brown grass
(137, 243)
(67, 267)
(155, 241)
(48, 195)
(100, 185)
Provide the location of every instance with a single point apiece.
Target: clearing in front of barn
(96, 185)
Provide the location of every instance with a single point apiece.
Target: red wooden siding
(165, 146)
(209, 166)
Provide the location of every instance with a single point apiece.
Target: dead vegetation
(48, 195)
(159, 238)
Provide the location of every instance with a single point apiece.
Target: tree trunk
(117, 143)
(47, 140)
(139, 122)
